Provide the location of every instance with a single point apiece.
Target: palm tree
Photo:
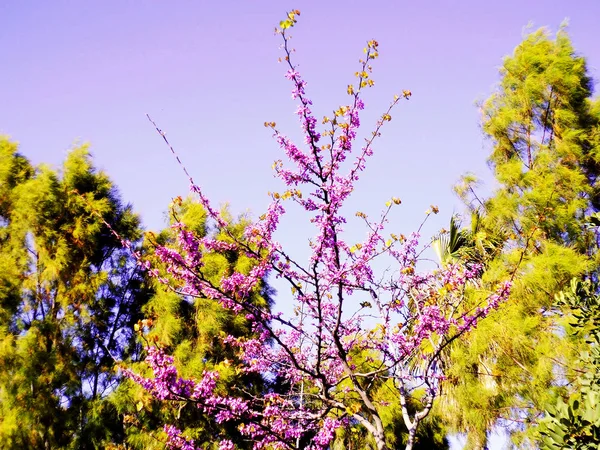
(479, 243)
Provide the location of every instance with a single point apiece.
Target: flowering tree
(353, 329)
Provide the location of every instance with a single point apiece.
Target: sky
(77, 72)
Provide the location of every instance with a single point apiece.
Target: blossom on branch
(402, 320)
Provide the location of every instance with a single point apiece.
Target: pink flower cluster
(166, 383)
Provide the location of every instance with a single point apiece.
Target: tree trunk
(380, 441)
(412, 432)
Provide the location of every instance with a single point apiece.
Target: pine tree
(69, 297)
(543, 129)
(192, 330)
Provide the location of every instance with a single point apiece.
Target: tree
(430, 435)
(543, 126)
(336, 293)
(69, 298)
(573, 420)
(192, 330)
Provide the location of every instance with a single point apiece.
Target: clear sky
(207, 72)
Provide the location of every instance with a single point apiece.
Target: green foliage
(573, 420)
(431, 434)
(544, 129)
(540, 121)
(574, 424)
(474, 244)
(14, 170)
(386, 397)
(69, 296)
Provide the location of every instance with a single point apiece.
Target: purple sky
(207, 72)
